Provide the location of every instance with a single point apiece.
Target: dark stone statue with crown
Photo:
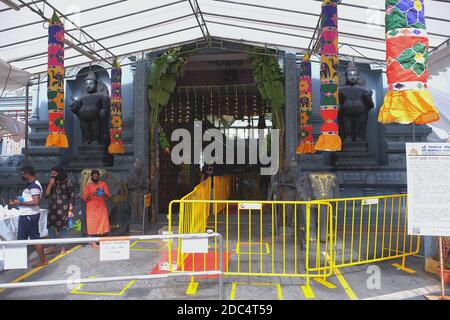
(356, 102)
(92, 109)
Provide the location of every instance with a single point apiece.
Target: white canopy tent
(12, 78)
(12, 128)
(105, 28)
(98, 30)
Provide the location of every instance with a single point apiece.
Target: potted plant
(446, 259)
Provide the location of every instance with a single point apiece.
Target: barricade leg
(323, 281)
(192, 287)
(403, 267)
(307, 290)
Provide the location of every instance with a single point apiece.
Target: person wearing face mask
(30, 213)
(94, 195)
(61, 192)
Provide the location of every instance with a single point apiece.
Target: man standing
(94, 194)
(29, 211)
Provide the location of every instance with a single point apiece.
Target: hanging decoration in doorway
(166, 111)
(407, 99)
(180, 108)
(195, 104)
(329, 139)
(236, 103)
(172, 109)
(55, 86)
(187, 117)
(305, 97)
(203, 105)
(255, 104)
(116, 146)
(219, 106)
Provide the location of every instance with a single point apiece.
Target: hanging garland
(329, 139)
(55, 85)
(305, 97)
(116, 146)
(407, 99)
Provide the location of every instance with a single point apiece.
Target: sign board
(147, 200)
(250, 206)
(368, 202)
(15, 257)
(114, 250)
(376, 66)
(194, 245)
(428, 176)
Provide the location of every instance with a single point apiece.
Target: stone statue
(318, 186)
(356, 102)
(138, 184)
(92, 108)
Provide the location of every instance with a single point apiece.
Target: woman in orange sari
(96, 211)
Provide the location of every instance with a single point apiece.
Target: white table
(9, 226)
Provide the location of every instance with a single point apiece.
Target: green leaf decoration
(420, 47)
(269, 82)
(406, 58)
(419, 68)
(164, 74)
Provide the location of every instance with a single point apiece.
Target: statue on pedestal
(356, 102)
(137, 186)
(92, 108)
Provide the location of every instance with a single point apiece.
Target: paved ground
(380, 281)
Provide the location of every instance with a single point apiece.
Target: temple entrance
(218, 91)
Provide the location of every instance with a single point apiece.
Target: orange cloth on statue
(97, 220)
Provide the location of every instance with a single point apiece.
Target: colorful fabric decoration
(329, 139)
(116, 146)
(55, 86)
(305, 96)
(407, 99)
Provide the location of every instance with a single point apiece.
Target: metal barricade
(372, 229)
(216, 272)
(266, 238)
(192, 218)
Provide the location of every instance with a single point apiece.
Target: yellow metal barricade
(193, 218)
(372, 229)
(267, 238)
(223, 190)
(308, 239)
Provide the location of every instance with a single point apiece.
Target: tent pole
(27, 95)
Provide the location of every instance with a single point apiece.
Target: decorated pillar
(116, 146)
(305, 97)
(407, 99)
(55, 85)
(329, 139)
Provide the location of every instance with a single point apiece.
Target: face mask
(95, 180)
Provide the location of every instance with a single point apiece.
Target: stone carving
(93, 108)
(318, 186)
(138, 184)
(356, 102)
